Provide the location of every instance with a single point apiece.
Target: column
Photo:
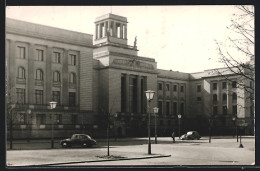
(139, 94)
(127, 92)
(114, 29)
(100, 30)
(106, 28)
(171, 96)
(121, 31)
(125, 31)
(64, 94)
(31, 74)
(164, 98)
(49, 75)
(229, 99)
(12, 68)
(219, 98)
(96, 31)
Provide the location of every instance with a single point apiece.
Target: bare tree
(237, 53)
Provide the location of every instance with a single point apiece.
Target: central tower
(111, 28)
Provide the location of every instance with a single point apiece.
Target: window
(39, 55)
(224, 108)
(56, 76)
(22, 118)
(234, 97)
(182, 109)
(224, 97)
(39, 96)
(174, 87)
(20, 94)
(167, 108)
(215, 86)
(72, 99)
(21, 52)
(21, 73)
(56, 57)
(198, 99)
(174, 108)
(160, 107)
(160, 86)
(199, 88)
(234, 109)
(215, 110)
(224, 85)
(74, 119)
(215, 98)
(56, 97)
(182, 88)
(41, 119)
(73, 78)
(39, 74)
(58, 119)
(234, 84)
(72, 59)
(167, 87)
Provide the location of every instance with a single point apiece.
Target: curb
(106, 160)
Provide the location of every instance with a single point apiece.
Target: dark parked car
(191, 135)
(78, 140)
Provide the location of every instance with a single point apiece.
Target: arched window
(21, 73)
(39, 74)
(215, 98)
(73, 78)
(234, 96)
(56, 76)
(224, 97)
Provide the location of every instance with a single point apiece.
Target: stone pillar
(106, 28)
(125, 31)
(49, 75)
(139, 94)
(178, 98)
(171, 97)
(127, 92)
(31, 74)
(100, 30)
(96, 31)
(12, 68)
(114, 30)
(121, 31)
(64, 98)
(229, 99)
(220, 111)
(164, 98)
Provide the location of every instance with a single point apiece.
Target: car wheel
(64, 144)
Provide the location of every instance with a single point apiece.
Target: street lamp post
(179, 118)
(115, 128)
(28, 135)
(53, 106)
(234, 119)
(149, 95)
(155, 110)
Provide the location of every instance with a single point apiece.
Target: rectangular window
(234, 109)
(215, 86)
(224, 85)
(58, 119)
(160, 87)
(20, 94)
(174, 108)
(182, 108)
(167, 108)
(199, 88)
(56, 57)
(182, 88)
(74, 119)
(224, 108)
(21, 52)
(234, 84)
(39, 55)
(215, 110)
(167, 87)
(198, 99)
(72, 99)
(72, 59)
(56, 97)
(160, 106)
(40, 119)
(39, 96)
(22, 118)
(174, 87)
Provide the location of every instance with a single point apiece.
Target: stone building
(96, 79)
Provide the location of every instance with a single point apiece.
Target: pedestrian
(173, 137)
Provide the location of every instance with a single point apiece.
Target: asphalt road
(221, 151)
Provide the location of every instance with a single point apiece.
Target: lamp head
(149, 94)
(155, 110)
(53, 104)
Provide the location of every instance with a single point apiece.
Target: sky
(179, 38)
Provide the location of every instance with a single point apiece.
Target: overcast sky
(180, 38)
